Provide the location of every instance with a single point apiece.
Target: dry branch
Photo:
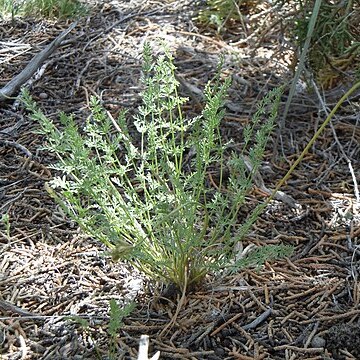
(14, 84)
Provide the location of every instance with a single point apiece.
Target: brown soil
(302, 307)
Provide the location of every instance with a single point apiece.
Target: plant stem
(311, 142)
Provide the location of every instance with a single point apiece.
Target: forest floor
(302, 307)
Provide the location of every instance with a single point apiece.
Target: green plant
(146, 194)
(5, 219)
(334, 46)
(302, 59)
(9, 7)
(259, 255)
(219, 13)
(116, 316)
(58, 9)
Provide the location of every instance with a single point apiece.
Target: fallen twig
(8, 307)
(17, 146)
(14, 84)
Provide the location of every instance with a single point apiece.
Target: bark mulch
(56, 283)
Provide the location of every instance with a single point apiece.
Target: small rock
(318, 342)
(219, 351)
(43, 95)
